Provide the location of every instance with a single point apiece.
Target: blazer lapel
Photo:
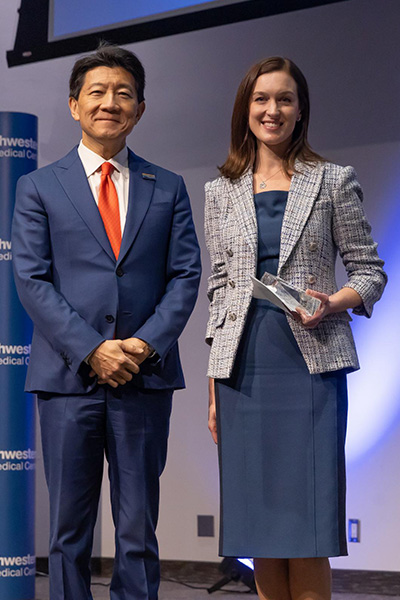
(142, 177)
(242, 197)
(72, 177)
(304, 189)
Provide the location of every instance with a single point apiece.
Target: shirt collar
(92, 161)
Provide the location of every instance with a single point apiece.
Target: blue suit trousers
(130, 427)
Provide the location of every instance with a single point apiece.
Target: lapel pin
(148, 176)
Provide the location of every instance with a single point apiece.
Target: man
(107, 265)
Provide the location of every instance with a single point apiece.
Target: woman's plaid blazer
(323, 216)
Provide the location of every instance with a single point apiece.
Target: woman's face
(274, 110)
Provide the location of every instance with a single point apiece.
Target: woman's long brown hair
(242, 152)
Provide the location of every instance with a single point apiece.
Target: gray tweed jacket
(323, 215)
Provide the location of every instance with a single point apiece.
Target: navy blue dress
(281, 432)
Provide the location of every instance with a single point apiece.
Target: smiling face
(107, 109)
(274, 110)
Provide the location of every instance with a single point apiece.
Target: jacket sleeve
(68, 333)
(352, 236)
(183, 270)
(218, 279)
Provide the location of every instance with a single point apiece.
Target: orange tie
(109, 207)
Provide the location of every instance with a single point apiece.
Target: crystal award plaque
(283, 294)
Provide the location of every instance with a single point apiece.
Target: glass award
(283, 294)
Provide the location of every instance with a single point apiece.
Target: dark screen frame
(32, 45)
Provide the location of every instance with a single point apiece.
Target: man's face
(107, 109)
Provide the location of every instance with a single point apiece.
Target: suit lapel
(242, 197)
(304, 189)
(142, 177)
(72, 177)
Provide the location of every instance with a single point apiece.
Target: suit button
(229, 252)
(110, 319)
(119, 271)
(313, 246)
(232, 316)
(232, 283)
(311, 279)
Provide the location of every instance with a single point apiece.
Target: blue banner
(18, 155)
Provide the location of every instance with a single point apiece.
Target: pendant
(262, 185)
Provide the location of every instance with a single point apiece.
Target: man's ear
(140, 110)
(73, 107)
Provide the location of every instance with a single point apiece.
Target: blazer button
(313, 246)
(311, 279)
(229, 252)
(232, 283)
(119, 271)
(110, 319)
(232, 316)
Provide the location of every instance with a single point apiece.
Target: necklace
(263, 183)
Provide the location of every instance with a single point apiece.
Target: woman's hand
(339, 301)
(212, 412)
(324, 309)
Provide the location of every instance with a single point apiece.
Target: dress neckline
(271, 191)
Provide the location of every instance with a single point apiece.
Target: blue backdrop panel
(18, 155)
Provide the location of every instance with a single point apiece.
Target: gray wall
(349, 53)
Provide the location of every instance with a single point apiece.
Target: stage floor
(176, 591)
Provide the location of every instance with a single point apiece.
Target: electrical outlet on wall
(354, 530)
(205, 526)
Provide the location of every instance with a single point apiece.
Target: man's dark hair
(110, 56)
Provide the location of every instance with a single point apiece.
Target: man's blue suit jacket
(78, 294)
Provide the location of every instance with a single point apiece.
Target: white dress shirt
(92, 164)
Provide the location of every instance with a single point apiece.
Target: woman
(278, 396)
